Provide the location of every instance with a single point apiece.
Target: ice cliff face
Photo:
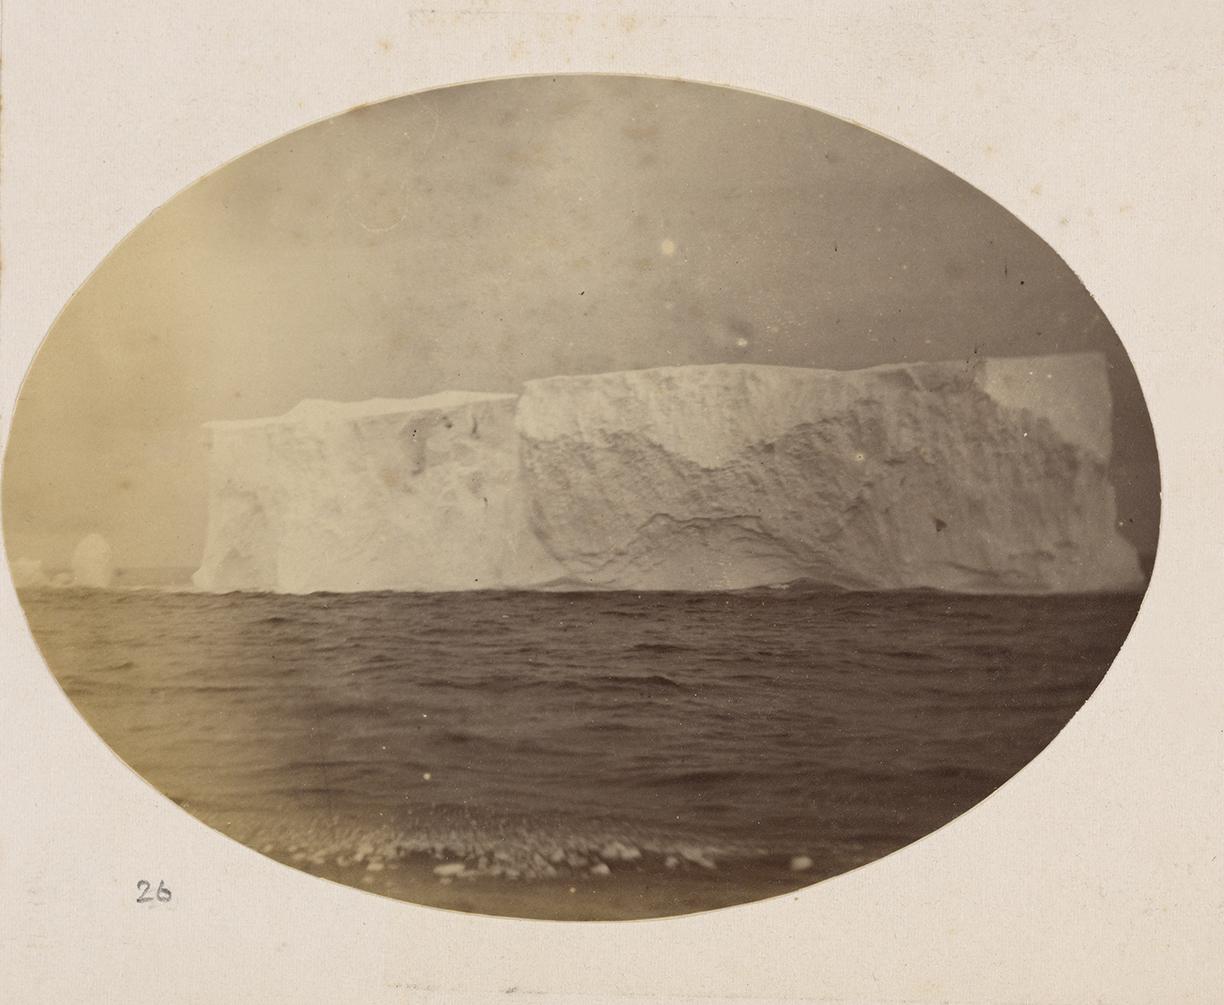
(381, 495)
(989, 477)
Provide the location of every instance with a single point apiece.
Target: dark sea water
(408, 742)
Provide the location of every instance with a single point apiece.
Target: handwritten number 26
(144, 886)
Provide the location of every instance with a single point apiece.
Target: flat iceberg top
(1070, 391)
(750, 401)
(716, 372)
(318, 410)
(1066, 389)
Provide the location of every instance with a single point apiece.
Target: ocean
(576, 755)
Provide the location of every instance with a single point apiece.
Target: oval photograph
(580, 497)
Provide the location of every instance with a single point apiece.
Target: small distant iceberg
(93, 562)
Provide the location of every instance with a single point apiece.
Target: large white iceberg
(989, 476)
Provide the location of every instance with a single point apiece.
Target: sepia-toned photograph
(580, 498)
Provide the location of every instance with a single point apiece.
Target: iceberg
(985, 477)
(93, 562)
(424, 494)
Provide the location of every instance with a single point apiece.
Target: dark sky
(477, 236)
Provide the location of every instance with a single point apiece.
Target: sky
(482, 235)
